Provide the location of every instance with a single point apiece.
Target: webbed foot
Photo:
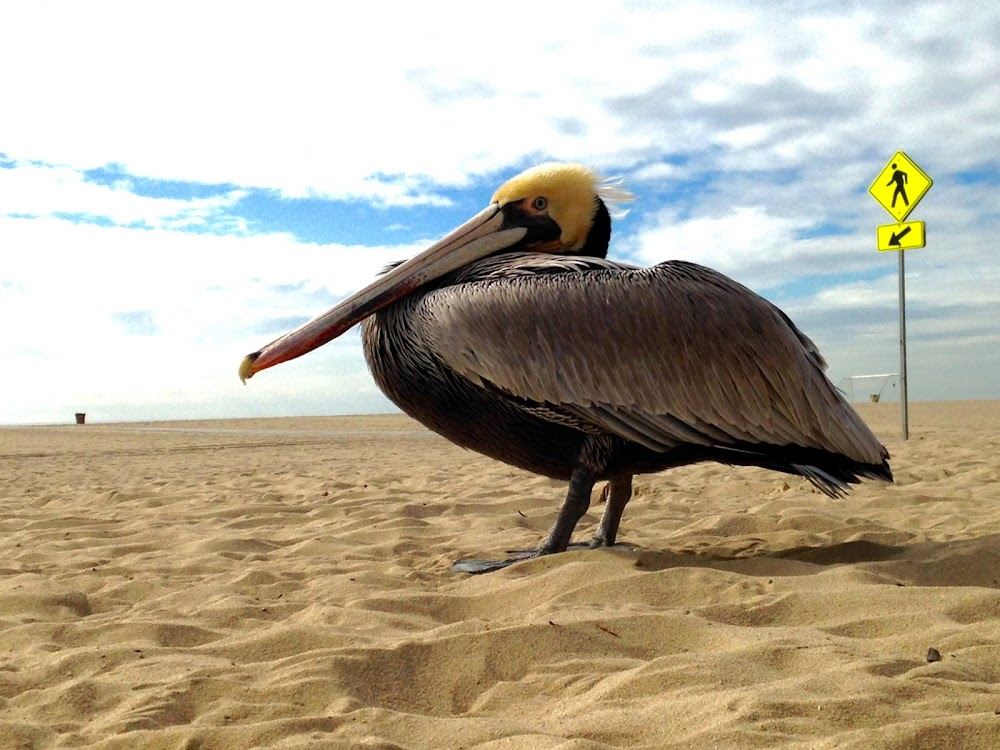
(488, 566)
(517, 555)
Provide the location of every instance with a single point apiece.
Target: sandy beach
(286, 583)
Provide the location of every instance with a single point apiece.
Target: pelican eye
(540, 204)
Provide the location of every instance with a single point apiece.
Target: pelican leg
(616, 495)
(581, 483)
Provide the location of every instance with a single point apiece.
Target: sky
(180, 183)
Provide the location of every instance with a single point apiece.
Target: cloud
(115, 314)
(137, 322)
(339, 103)
(35, 189)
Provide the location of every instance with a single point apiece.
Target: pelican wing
(666, 355)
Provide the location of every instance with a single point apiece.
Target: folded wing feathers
(662, 356)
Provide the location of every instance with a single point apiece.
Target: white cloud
(341, 101)
(753, 245)
(206, 295)
(47, 190)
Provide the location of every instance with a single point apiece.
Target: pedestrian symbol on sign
(898, 177)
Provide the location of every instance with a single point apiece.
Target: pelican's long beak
(482, 235)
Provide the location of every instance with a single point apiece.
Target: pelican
(515, 337)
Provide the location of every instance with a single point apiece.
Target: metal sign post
(903, 399)
(898, 189)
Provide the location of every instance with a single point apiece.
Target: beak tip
(246, 367)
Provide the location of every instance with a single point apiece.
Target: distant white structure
(872, 388)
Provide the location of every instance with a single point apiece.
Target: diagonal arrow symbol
(894, 240)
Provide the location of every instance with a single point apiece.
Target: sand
(286, 584)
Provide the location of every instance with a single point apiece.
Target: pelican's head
(551, 208)
(563, 208)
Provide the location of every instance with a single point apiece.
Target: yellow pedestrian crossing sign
(900, 186)
(901, 236)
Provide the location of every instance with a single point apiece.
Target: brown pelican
(514, 336)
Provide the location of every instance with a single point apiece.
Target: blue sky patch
(806, 286)
(985, 176)
(823, 229)
(137, 323)
(115, 175)
(81, 218)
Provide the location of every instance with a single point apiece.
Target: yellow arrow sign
(900, 186)
(901, 236)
